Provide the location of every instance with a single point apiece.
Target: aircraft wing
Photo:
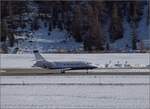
(65, 69)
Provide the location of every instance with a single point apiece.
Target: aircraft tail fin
(38, 57)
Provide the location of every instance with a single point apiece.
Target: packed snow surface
(46, 92)
(100, 60)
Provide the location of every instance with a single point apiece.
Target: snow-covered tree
(95, 31)
(4, 30)
(35, 24)
(135, 12)
(116, 25)
(76, 29)
(148, 13)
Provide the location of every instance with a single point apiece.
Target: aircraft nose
(93, 67)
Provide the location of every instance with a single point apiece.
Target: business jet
(63, 66)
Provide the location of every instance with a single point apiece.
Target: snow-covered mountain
(62, 27)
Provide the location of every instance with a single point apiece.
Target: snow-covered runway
(88, 91)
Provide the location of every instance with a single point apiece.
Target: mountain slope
(59, 27)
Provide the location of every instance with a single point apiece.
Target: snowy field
(27, 60)
(67, 92)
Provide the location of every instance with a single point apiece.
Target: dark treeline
(84, 20)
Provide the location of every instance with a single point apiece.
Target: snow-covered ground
(100, 60)
(75, 79)
(45, 92)
(45, 41)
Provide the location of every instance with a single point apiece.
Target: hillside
(71, 26)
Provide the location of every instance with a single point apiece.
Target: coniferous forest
(94, 25)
